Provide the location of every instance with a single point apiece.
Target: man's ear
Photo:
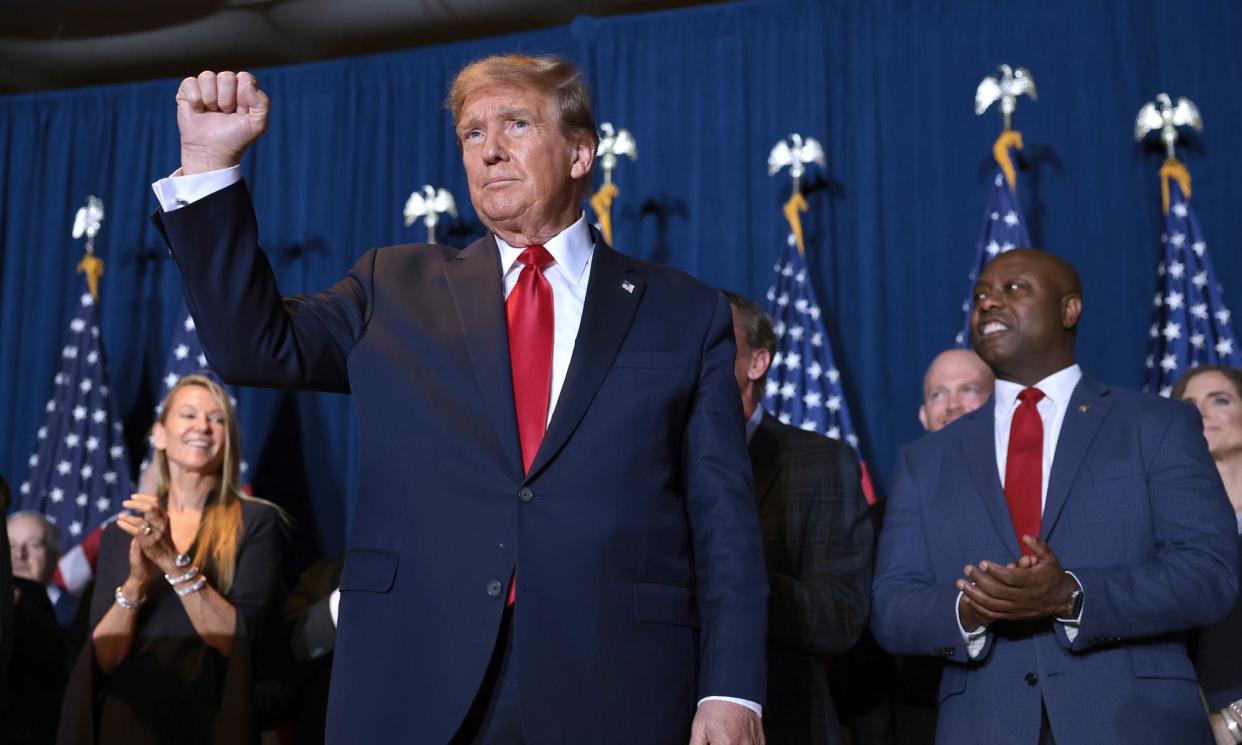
(581, 157)
(760, 361)
(923, 418)
(1071, 310)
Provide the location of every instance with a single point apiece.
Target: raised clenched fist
(219, 115)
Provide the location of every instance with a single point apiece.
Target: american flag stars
(79, 441)
(1190, 323)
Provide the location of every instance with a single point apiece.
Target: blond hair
(553, 76)
(220, 528)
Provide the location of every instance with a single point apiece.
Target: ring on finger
(146, 528)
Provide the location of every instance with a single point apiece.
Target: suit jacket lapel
(474, 281)
(613, 294)
(978, 445)
(1088, 406)
(766, 458)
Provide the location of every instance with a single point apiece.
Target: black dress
(172, 687)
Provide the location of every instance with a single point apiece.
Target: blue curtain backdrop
(886, 86)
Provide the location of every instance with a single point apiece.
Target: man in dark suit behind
(6, 602)
(817, 543)
(1054, 546)
(554, 538)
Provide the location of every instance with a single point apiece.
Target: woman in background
(1217, 392)
(184, 579)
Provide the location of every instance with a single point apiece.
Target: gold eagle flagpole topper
(429, 203)
(1012, 83)
(613, 143)
(86, 223)
(1163, 116)
(796, 153)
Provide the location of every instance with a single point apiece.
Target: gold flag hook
(795, 204)
(601, 203)
(1173, 169)
(1009, 139)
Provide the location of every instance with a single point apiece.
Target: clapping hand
(150, 530)
(1033, 587)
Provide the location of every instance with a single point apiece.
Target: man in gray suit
(817, 545)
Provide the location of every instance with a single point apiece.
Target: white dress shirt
(572, 250)
(1057, 389)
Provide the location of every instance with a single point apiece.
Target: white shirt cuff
(1071, 624)
(748, 704)
(334, 604)
(974, 639)
(177, 191)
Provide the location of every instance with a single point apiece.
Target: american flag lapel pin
(1084, 408)
(628, 286)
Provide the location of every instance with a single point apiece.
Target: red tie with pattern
(1024, 466)
(531, 330)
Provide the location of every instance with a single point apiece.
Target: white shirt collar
(571, 250)
(1057, 388)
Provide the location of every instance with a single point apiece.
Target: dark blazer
(35, 680)
(6, 612)
(1135, 509)
(1217, 652)
(817, 541)
(312, 639)
(634, 535)
(66, 609)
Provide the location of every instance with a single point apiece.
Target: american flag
(1190, 324)
(803, 384)
(1003, 229)
(79, 472)
(185, 357)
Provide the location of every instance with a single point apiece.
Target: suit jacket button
(493, 588)
(1031, 679)
(525, 494)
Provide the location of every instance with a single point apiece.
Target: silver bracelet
(125, 603)
(193, 588)
(189, 575)
(1230, 715)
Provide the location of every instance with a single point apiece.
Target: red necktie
(531, 330)
(1024, 466)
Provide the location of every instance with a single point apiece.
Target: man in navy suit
(554, 537)
(1054, 545)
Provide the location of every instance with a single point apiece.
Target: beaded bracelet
(189, 575)
(191, 589)
(125, 602)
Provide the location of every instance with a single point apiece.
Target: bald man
(1054, 546)
(957, 382)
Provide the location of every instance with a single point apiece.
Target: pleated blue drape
(887, 87)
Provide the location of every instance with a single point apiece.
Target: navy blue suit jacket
(640, 573)
(1135, 509)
